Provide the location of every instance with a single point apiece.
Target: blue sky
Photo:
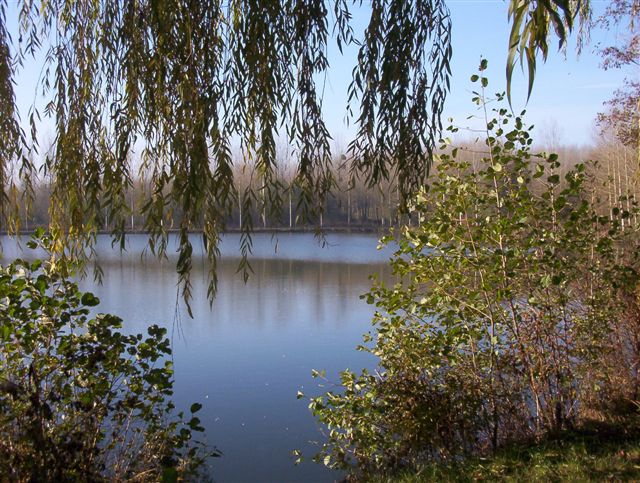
(569, 89)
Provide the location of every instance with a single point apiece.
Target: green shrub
(505, 319)
(79, 400)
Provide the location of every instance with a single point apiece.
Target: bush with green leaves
(80, 400)
(510, 306)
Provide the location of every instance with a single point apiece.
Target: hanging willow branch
(181, 82)
(531, 22)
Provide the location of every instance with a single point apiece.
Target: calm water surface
(246, 357)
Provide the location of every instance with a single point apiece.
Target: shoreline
(326, 229)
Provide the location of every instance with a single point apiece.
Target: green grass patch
(595, 452)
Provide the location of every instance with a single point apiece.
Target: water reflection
(246, 357)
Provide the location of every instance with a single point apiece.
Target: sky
(569, 90)
(568, 93)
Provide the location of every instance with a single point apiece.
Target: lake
(246, 357)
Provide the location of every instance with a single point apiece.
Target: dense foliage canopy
(182, 82)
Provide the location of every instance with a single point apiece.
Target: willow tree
(180, 81)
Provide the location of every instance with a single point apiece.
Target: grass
(595, 452)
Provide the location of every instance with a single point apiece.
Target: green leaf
(89, 299)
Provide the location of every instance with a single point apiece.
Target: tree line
(353, 204)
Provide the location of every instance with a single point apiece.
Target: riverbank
(310, 229)
(594, 452)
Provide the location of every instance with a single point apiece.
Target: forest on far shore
(353, 204)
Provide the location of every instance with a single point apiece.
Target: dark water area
(246, 357)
